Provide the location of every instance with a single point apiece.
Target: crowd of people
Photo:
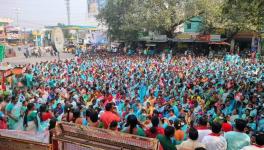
(186, 103)
(37, 52)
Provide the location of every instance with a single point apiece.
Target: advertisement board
(184, 36)
(215, 38)
(203, 38)
(12, 36)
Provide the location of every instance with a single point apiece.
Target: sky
(38, 13)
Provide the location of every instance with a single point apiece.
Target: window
(189, 25)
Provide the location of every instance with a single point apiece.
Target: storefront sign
(203, 38)
(12, 36)
(215, 38)
(162, 38)
(36, 33)
(145, 38)
(184, 36)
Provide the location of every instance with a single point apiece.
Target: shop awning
(183, 40)
(219, 43)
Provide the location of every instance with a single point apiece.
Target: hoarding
(215, 38)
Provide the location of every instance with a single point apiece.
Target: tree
(125, 18)
(112, 15)
(243, 15)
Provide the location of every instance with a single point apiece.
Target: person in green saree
(12, 113)
(166, 140)
(29, 80)
(30, 120)
(132, 126)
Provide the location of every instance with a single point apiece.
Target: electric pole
(88, 7)
(68, 11)
(17, 12)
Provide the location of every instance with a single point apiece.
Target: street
(21, 60)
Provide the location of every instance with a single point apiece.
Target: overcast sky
(37, 13)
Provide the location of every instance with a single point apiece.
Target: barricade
(18, 140)
(68, 136)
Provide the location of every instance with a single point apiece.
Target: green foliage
(127, 18)
(244, 15)
(113, 15)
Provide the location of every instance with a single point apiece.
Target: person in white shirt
(192, 143)
(202, 128)
(214, 141)
(259, 143)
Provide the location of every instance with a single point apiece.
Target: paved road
(21, 60)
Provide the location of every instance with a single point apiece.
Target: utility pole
(17, 12)
(68, 11)
(88, 8)
(99, 4)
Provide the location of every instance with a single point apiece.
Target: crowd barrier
(7, 143)
(68, 136)
(24, 140)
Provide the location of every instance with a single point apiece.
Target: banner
(160, 38)
(215, 38)
(184, 36)
(203, 38)
(12, 36)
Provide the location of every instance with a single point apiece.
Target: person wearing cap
(237, 139)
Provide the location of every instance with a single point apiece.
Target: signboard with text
(184, 36)
(203, 38)
(215, 38)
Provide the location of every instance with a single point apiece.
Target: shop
(12, 35)
(243, 42)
